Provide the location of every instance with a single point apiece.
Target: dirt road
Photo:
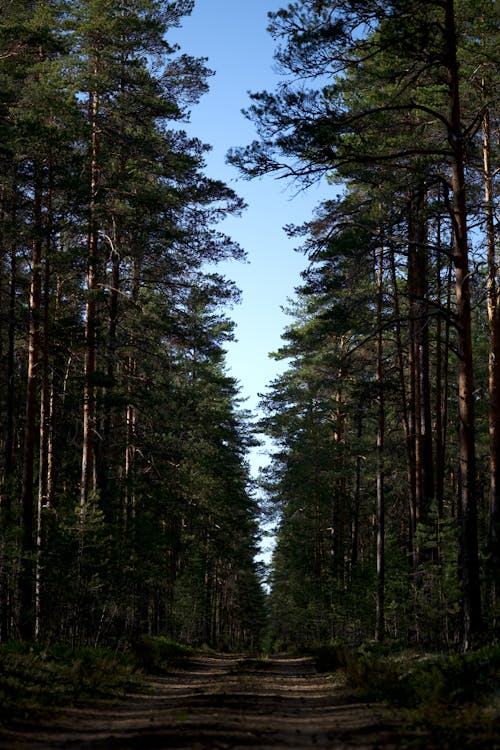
(221, 702)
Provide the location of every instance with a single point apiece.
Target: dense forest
(126, 502)
(385, 479)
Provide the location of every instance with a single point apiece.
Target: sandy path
(215, 704)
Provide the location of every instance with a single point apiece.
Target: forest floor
(219, 702)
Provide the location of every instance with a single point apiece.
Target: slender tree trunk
(413, 401)
(414, 371)
(106, 457)
(380, 606)
(338, 517)
(468, 553)
(406, 404)
(131, 412)
(357, 493)
(88, 478)
(53, 409)
(442, 356)
(4, 494)
(26, 588)
(419, 343)
(10, 400)
(425, 426)
(129, 510)
(6, 485)
(43, 463)
(3, 317)
(493, 363)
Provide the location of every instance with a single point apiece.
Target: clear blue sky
(232, 35)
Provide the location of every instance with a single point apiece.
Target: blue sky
(232, 35)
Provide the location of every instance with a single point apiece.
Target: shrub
(409, 678)
(156, 654)
(33, 677)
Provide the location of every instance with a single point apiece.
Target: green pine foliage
(34, 677)
(369, 99)
(99, 176)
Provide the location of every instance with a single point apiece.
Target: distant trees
(125, 495)
(392, 101)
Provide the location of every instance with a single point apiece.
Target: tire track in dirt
(220, 702)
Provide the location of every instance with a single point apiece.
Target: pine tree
(306, 132)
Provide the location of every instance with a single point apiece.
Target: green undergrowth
(454, 697)
(156, 654)
(34, 678)
(251, 664)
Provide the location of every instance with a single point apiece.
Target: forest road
(220, 702)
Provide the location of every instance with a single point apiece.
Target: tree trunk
(419, 345)
(26, 608)
(442, 366)
(380, 512)
(129, 509)
(45, 398)
(406, 408)
(7, 481)
(88, 478)
(357, 493)
(493, 364)
(10, 375)
(106, 456)
(468, 552)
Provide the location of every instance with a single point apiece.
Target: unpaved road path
(217, 703)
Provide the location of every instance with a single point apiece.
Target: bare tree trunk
(380, 512)
(26, 589)
(129, 508)
(419, 343)
(45, 398)
(442, 360)
(10, 402)
(6, 485)
(357, 494)
(105, 455)
(340, 493)
(3, 317)
(406, 406)
(88, 477)
(4, 497)
(425, 427)
(131, 412)
(493, 304)
(468, 553)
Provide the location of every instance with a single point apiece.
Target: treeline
(385, 479)
(125, 495)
